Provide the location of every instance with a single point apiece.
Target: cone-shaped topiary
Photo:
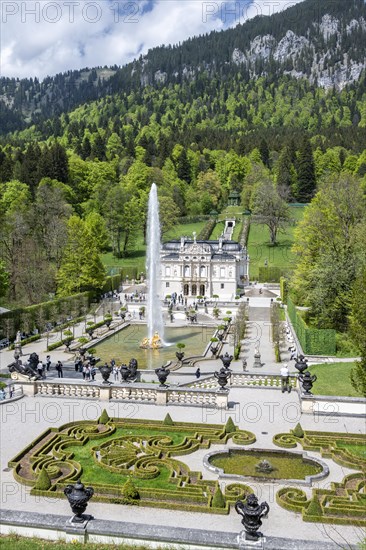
(129, 491)
(104, 417)
(314, 508)
(230, 426)
(43, 482)
(298, 431)
(168, 420)
(218, 500)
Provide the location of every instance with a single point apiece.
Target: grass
(185, 229)
(285, 467)
(358, 450)
(333, 379)
(15, 542)
(93, 473)
(260, 249)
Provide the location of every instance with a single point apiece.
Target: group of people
(9, 390)
(86, 366)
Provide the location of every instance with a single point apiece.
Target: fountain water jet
(155, 324)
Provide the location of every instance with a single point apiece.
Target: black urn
(251, 513)
(307, 380)
(90, 331)
(133, 366)
(301, 364)
(78, 497)
(105, 371)
(223, 377)
(226, 360)
(162, 374)
(214, 349)
(125, 373)
(179, 355)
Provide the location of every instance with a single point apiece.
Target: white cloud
(44, 37)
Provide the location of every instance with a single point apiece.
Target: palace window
(187, 271)
(203, 271)
(167, 272)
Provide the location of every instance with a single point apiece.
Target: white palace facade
(203, 268)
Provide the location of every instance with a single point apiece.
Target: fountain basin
(241, 464)
(125, 344)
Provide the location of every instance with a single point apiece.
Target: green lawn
(333, 379)
(259, 247)
(181, 230)
(14, 542)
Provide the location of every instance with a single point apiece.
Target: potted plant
(180, 354)
(214, 345)
(216, 312)
(69, 338)
(108, 320)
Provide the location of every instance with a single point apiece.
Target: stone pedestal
(247, 544)
(257, 360)
(161, 396)
(29, 388)
(222, 399)
(105, 393)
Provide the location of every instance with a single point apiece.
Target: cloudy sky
(45, 37)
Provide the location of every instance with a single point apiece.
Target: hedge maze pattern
(344, 503)
(130, 450)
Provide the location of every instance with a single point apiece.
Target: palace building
(203, 268)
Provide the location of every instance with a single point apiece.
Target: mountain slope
(324, 42)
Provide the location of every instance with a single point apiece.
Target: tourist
(40, 368)
(59, 369)
(198, 373)
(285, 379)
(87, 373)
(115, 372)
(93, 372)
(2, 394)
(171, 317)
(84, 371)
(245, 364)
(48, 362)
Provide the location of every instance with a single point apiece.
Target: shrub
(168, 420)
(218, 500)
(130, 492)
(2, 385)
(104, 418)
(180, 345)
(298, 431)
(230, 426)
(314, 508)
(43, 482)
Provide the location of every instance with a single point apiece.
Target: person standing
(59, 369)
(285, 379)
(48, 362)
(40, 368)
(198, 373)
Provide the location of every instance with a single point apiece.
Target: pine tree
(306, 179)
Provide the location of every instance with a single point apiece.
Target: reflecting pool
(126, 344)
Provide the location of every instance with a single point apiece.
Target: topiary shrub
(298, 431)
(168, 420)
(130, 492)
(43, 482)
(218, 500)
(230, 426)
(104, 418)
(314, 508)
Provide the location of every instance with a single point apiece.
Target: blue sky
(44, 37)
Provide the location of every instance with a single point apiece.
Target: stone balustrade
(260, 380)
(134, 392)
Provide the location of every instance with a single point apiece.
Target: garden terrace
(108, 454)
